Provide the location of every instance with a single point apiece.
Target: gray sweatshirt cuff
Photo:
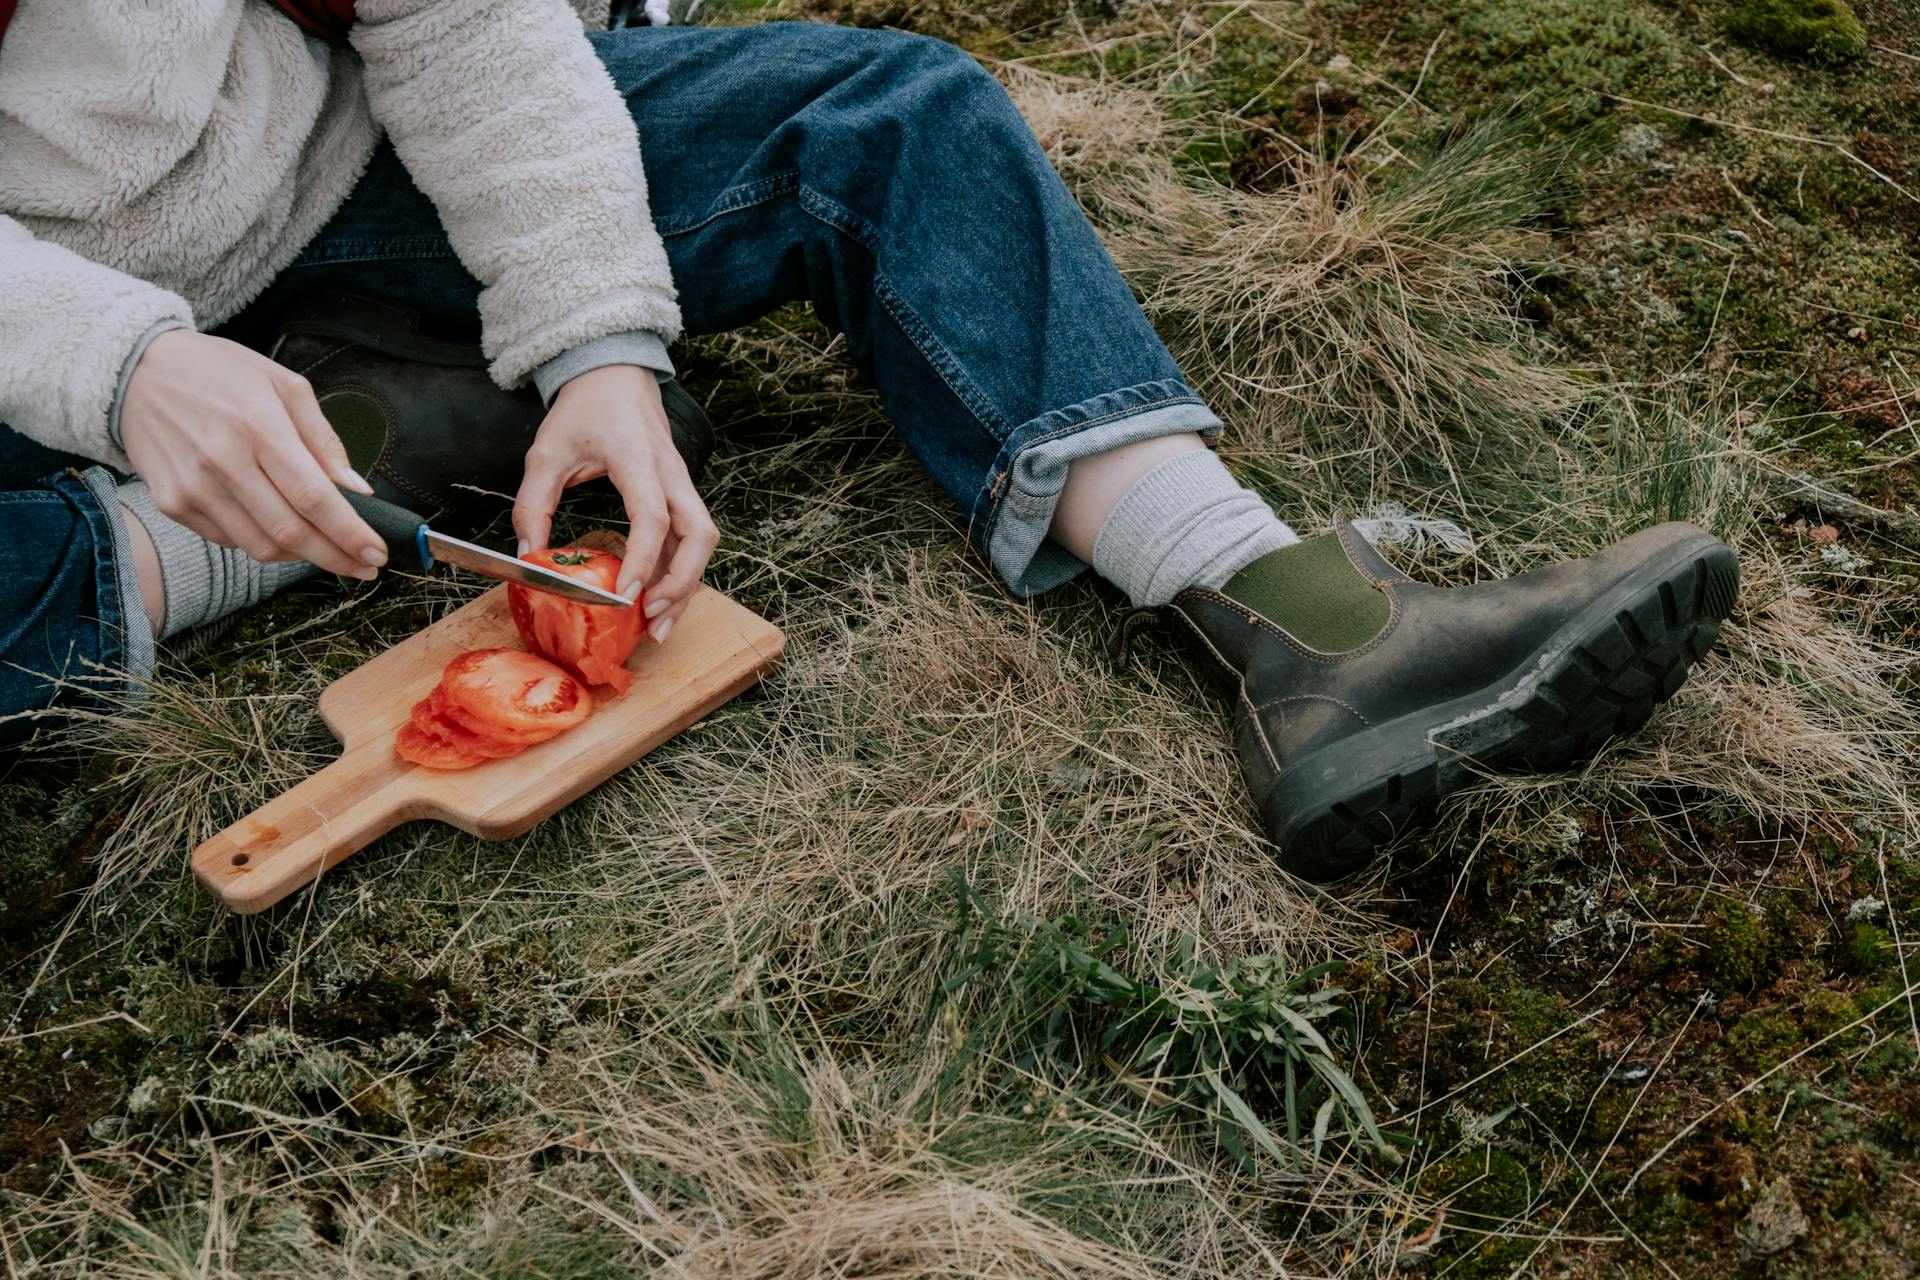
(632, 346)
(126, 372)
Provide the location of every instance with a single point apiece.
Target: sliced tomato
(592, 641)
(445, 712)
(431, 720)
(416, 746)
(514, 693)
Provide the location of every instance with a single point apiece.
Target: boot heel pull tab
(1129, 621)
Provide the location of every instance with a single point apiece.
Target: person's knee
(920, 88)
(932, 70)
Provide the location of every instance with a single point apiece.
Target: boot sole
(1599, 677)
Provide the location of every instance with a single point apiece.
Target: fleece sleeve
(66, 331)
(505, 117)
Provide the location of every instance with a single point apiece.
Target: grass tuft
(1365, 300)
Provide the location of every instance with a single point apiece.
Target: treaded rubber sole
(1599, 677)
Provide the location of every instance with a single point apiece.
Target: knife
(412, 545)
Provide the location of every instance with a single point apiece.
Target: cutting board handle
(293, 838)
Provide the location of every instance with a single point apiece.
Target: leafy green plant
(1233, 1041)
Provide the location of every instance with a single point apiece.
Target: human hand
(235, 447)
(610, 422)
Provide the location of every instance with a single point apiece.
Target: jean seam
(122, 611)
(736, 199)
(69, 488)
(937, 355)
(842, 219)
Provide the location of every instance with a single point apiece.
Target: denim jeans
(885, 178)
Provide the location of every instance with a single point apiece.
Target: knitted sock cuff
(186, 567)
(1186, 523)
(204, 581)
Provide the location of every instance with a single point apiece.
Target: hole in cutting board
(240, 859)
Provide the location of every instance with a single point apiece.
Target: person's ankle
(1186, 523)
(146, 567)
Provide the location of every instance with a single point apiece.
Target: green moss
(1748, 1122)
(1898, 1116)
(1825, 1011)
(1772, 1032)
(1869, 947)
(1553, 1072)
(1764, 1037)
(455, 1179)
(1821, 30)
(1487, 1188)
(1558, 55)
(1738, 946)
(44, 856)
(1532, 1013)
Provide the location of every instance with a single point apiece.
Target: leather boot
(420, 416)
(1347, 749)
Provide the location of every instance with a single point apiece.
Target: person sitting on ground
(175, 179)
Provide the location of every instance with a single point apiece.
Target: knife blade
(412, 544)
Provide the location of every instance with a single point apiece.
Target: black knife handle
(402, 530)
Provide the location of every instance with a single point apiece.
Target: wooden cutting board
(716, 649)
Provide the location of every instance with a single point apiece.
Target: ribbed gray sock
(1186, 523)
(204, 581)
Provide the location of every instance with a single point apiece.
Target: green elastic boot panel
(361, 423)
(1311, 591)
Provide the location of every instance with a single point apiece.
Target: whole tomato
(591, 640)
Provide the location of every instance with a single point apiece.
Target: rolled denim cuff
(136, 634)
(632, 346)
(1027, 560)
(126, 372)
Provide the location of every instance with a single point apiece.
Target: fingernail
(375, 556)
(366, 575)
(359, 482)
(525, 547)
(657, 607)
(660, 630)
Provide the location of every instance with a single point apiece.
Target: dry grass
(1363, 301)
(189, 760)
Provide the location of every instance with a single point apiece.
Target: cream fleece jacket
(162, 160)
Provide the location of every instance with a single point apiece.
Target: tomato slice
(592, 641)
(429, 717)
(443, 711)
(514, 692)
(416, 746)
